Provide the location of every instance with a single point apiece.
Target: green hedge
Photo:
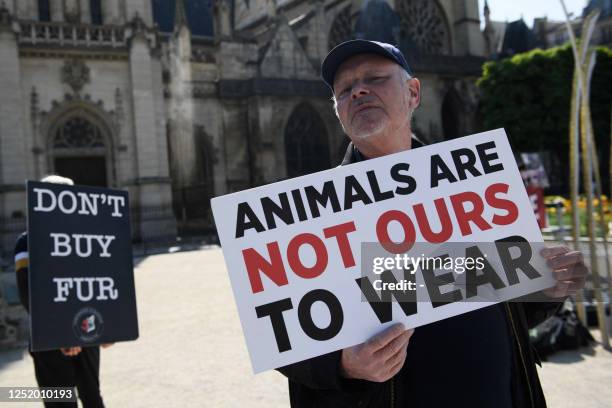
(529, 95)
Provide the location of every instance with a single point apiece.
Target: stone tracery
(425, 24)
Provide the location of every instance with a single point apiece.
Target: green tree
(529, 95)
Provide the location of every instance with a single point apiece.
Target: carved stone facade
(83, 98)
(76, 74)
(178, 102)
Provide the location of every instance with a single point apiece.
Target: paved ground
(191, 352)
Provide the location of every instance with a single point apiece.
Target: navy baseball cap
(347, 49)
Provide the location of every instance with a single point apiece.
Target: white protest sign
(293, 249)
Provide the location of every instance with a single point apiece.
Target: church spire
(487, 12)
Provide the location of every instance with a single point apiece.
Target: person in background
(67, 367)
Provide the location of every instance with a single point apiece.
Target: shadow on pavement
(574, 356)
(9, 356)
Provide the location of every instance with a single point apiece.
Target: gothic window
(341, 29)
(95, 7)
(77, 132)
(191, 200)
(424, 23)
(306, 145)
(44, 11)
(453, 116)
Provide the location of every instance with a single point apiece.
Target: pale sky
(511, 10)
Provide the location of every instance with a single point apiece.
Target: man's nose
(359, 89)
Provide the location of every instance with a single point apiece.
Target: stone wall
(245, 86)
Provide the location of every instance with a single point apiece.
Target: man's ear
(414, 90)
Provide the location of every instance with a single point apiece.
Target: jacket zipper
(524, 365)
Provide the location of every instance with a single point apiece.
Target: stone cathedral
(180, 101)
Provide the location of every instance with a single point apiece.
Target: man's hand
(70, 351)
(568, 268)
(379, 358)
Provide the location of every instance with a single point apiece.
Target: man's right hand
(379, 358)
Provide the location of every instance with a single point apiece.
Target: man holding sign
(478, 359)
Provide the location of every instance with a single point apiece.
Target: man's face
(374, 98)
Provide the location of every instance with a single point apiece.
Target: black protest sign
(81, 277)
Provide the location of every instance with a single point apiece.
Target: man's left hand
(70, 351)
(568, 268)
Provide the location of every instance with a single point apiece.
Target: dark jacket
(317, 382)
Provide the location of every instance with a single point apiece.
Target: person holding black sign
(479, 359)
(68, 367)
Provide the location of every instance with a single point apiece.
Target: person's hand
(379, 358)
(106, 345)
(568, 268)
(70, 351)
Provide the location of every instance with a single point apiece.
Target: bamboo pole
(586, 162)
(598, 190)
(603, 226)
(588, 186)
(575, 181)
(577, 87)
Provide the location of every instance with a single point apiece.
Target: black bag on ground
(560, 332)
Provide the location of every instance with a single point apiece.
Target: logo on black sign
(88, 324)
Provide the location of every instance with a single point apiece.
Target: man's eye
(344, 91)
(376, 79)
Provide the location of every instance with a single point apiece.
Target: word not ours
(274, 267)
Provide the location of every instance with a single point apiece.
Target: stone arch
(306, 142)
(80, 145)
(425, 25)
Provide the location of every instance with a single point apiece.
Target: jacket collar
(353, 155)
